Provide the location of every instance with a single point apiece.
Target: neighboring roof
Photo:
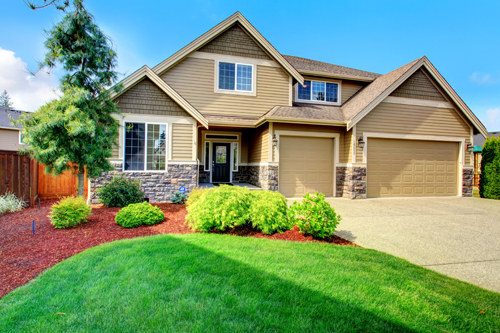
(303, 112)
(145, 71)
(308, 66)
(6, 117)
(216, 31)
(479, 140)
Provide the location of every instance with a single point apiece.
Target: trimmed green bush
(268, 212)
(137, 214)
(120, 192)
(195, 194)
(219, 208)
(69, 212)
(489, 183)
(179, 198)
(314, 216)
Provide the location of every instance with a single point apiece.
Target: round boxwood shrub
(69, 212)
(268, 212)
(135, 215)
(314, 216)
(219, 208)
(120, 192)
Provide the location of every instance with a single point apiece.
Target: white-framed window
(145, 146)
(221, 137)
(233, 76)
(21, 138)
(319, 92)
(235, 156)
(207, 151)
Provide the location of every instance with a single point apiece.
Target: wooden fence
(52, 187)
(18, 175)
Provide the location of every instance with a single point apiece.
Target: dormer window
(235, 77)
(318, 91)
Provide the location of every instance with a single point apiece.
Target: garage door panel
(411, 168)
(307, 166)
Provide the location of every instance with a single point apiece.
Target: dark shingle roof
(479, 139)
(307, 112)
(318, 66)
(6, 115)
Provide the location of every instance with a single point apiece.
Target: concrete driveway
(459, 237)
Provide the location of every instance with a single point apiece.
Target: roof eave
(336, 76)
(301, 121)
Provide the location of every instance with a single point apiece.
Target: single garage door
(306, 166)
(411, 168)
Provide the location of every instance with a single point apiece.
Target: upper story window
(318, 91)
(235, 76)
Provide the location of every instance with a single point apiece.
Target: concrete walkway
(459, 237)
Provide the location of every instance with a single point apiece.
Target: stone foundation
(158, 186)
(467, 182)
(264, 176)
(204, 175)
(242, 175)
(351, 182)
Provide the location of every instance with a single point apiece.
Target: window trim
(207, 167)
(310, 101)
(221, 140)
(235, 91)
(167, 150)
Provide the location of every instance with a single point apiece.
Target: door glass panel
(221, 154)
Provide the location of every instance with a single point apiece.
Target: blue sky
(461, 38)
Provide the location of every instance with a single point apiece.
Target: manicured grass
(220, 283)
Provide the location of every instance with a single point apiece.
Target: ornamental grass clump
(69, 212)
(314, 216)
(9, 203)
(121, 192)
(268, 212)
(220, 208)
(135, 215)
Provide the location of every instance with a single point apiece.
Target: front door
(221, 163)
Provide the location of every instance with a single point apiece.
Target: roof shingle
(6, 115)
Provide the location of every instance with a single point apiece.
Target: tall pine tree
(5, 100)
(77, 130)
(489, 183)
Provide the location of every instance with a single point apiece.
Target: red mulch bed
(23, 255)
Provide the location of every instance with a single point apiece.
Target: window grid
(236, 77)
(226, 76)
(305, 92)
(332, 92)
(244, 78)
(318, 91)
(156, 147)
(134, 146)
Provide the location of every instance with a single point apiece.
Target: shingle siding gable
(419, 86)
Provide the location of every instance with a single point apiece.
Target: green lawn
(220, 283)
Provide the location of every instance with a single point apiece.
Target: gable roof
(313, 67)
(6, 117)
(216, 31)
(369, 97)
(145, 71)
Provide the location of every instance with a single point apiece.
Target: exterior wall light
(361, 143)
(275, 141)
(470, 148)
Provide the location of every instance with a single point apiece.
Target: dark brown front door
(221, 163)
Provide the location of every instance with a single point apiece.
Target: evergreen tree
(489, 183)
(78, 129)
(5, 100)
(59, 4)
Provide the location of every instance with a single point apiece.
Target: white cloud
(481, 78)
(26, 91)
(493, 123)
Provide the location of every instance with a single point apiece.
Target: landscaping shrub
(220, 208)
(268, 212)
(314, 216)
(69, 212)
(140, 213)
(9, 203)
(489, 183)
(120, 192)
(179, 198)
(195, 194)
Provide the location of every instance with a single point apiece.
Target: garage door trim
(461, 154)
(336, 147)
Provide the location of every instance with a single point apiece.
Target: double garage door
(395, 168)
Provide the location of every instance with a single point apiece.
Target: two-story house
(230, 108)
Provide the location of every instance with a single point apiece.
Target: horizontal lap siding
(9, 140)
(346, 157)
(259, 145)
(413, 120)
(349, 88)
(194, 80)
(182, 142)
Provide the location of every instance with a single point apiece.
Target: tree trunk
(81, 179)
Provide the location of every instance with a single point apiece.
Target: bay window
(145, 147)
(318, 91)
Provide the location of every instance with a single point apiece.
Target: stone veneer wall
(351, 182)
(158, 186)
(265, 177)
(467, 182)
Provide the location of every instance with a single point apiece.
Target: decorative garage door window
(145, 147)
(221, 154)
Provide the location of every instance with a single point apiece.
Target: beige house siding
(316, 128)
(346, 157)
(194, 80)
(9, 140)
(413, 120)
(259, 145)
(236, 42)
(420, 86)
(182, 142)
